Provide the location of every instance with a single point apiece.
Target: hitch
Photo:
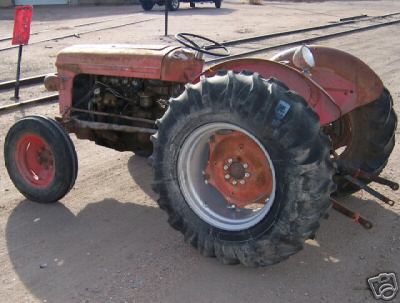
(357, 217)
(369, 190)
(352, 176)
(374, 178)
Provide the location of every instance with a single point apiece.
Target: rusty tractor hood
(127, 60)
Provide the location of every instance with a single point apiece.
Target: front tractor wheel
(40, 159)
(242, 169)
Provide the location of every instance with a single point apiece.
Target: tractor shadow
(65, 257)
(120, 250)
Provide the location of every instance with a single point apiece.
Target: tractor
(247, 154)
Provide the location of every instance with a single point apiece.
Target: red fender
(314, 94)
(349, 81)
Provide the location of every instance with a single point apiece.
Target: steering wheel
(186, 39)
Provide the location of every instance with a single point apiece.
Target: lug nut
(246, 175)
(234, 182)
(242, 182)
(226, 167)
(203, 172)
(227, 176)
(230, 160)
(206, 181)
(245, 165)
(231, 206)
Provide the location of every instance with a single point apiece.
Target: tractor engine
(120, 101)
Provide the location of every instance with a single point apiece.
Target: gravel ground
(107, 241)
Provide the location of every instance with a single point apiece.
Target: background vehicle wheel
(40, 159)
(173, 5)
(147, 5)
(192, 4)
(218, 3)
(242, 169)
(365, 139)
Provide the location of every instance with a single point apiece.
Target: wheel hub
(45, 158)
(226, 176)
(237, 168)
(35, 160)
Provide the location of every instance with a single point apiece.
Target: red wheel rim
(237, 167)
(35, 161)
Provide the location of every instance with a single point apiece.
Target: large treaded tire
(371, 142)
(298, 149)
(63, 151)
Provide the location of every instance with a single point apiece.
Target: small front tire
(40, 159)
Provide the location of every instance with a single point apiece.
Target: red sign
(22, 24)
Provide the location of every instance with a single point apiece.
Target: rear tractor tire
(40, 159)
(367, 138)
(242, 168)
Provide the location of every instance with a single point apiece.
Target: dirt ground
(107, 241)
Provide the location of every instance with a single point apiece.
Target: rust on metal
(349, 81)
(116, 59)
(369, 190)
(181, 66)
(51, 82)
(166, 63)
(81, 124)
(238, 169)
(357, 217)
(123, 117)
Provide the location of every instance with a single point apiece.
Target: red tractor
(246, 153)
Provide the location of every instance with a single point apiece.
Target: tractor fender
(349, 81)
(314, 94)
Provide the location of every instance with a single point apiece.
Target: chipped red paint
(338, 84)
(167, 63)
(239, 157)
(349, 81)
